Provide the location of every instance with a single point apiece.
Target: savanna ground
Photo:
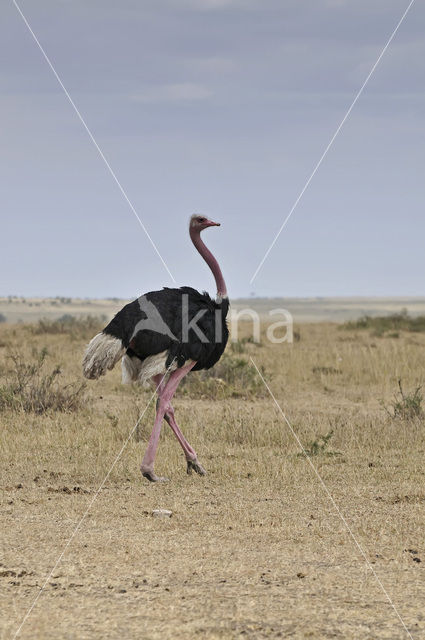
(255, 549)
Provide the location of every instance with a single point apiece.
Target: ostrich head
(198, 222)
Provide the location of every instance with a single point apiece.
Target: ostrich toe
(193, 465)
(150, 475)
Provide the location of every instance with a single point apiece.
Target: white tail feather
(136, 370)
(130, 369)
(102, 353)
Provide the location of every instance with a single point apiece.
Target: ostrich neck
(211, 262)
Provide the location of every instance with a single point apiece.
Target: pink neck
(211, 262)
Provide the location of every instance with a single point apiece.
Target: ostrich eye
(201, 219)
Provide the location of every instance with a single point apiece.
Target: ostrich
(162, 336)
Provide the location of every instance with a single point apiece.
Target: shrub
(319, 446)
(407, 406)
(239, 346)
(33, 389)
(230, 377)
(394, 322)
(69, 324)
(3, 318)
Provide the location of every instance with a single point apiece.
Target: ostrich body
(162, 336)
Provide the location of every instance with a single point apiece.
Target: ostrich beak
(213, 224)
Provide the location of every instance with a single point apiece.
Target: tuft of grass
(327, 371)
(395, 322)
(239, 346)
(231, 377)
(319, 446)
(407, 406)
(30, 388)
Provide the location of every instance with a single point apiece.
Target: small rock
(162, 513)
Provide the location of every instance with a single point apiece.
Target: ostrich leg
(165, 393)
(191, 457)
(189, 452)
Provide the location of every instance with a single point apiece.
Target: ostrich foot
(193, 465)
(151, 475)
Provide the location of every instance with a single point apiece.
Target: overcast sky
(221, 107)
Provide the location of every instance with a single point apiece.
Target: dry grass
(253, 550)
(30, 388)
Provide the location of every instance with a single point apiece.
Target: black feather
(171, 305)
